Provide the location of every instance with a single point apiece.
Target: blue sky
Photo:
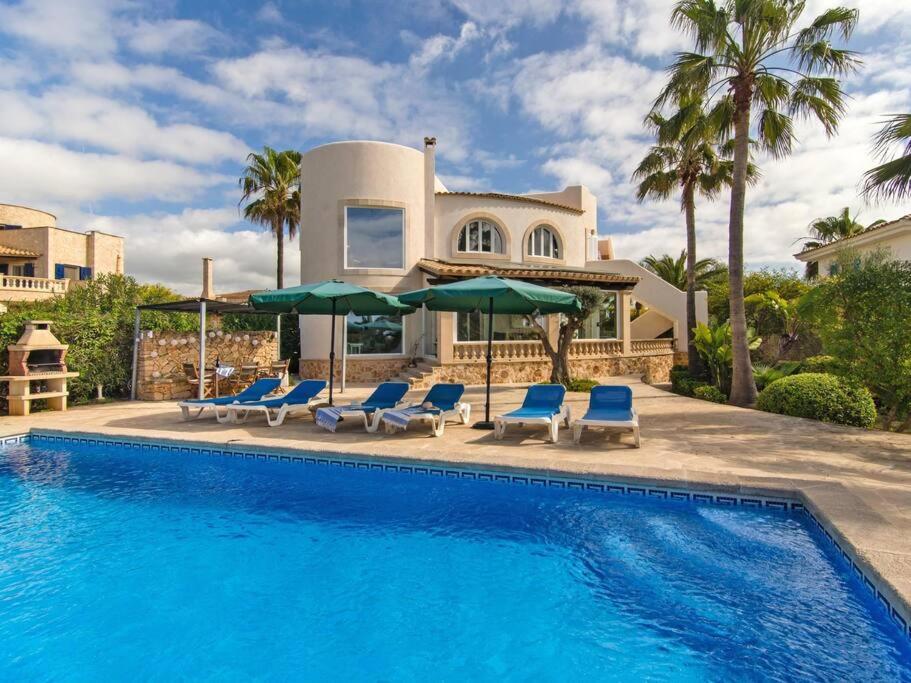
(135, 117)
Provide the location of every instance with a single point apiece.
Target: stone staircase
(419, 377)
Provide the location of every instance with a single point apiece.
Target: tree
(750, 58)
(591, 299)
(713, 342)
(831, 228)
(271, 190)
(891, 179)
(862, 315)
(772, 314)
(674, 271)
(684, 159)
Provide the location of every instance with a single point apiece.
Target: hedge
(710, 393)
(683, 383)
(819, 396)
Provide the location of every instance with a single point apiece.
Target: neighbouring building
(376, 214)
(893, 238)
(38, 260)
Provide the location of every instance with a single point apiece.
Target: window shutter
(59, 272)
(85, 273)
(4, 269)
(28, 270)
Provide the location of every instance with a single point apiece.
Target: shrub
(764, 375)
(582, 385)
(683, 383)
(820, 397)
(824, 364)
(709, 393)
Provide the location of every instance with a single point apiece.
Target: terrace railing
(533, 350)
(23, 283)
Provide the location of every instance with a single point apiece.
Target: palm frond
(776, 133)
(840, 20)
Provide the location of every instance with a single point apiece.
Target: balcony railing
(24, 283)
(530, 350)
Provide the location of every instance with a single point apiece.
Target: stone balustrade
(533, 350)
(25, 283)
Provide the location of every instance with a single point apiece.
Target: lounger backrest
(444, 396)
(615, 397)
(387, 394)
(258, 389)
(544, 396)
(306, 390)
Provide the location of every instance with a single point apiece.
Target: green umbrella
(492, 294)
(329, 297)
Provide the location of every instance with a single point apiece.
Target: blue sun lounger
(440, 404)
(543, 404)
(385, 397)
(295, 401)
(254, 392)
(611, 407)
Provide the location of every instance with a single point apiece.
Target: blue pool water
(173, 566)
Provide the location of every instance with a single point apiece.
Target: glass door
(430, 333)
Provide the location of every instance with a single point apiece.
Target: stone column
(445, 335)
(624, 307)
(429, 196)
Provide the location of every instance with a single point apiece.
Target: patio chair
(243, 377)
(611, 407)
(254, 392)
(275, 409)
(280, 368)
(440, 404)
(385, 397)
(543, 404)
(192, 373)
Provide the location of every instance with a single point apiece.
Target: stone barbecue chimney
(430, 178)
(208, 287)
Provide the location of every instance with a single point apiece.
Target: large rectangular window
(374, 238)
(372, 334)
(601, 324)
(473, 327)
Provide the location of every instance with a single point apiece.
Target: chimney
(430, 177)
(208, 288)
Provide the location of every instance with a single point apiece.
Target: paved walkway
(858, 482)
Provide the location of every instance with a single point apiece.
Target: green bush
(764, 375)
(820, 397)
(709, 393)
(582, 385)
(683, 383)
(824, 364)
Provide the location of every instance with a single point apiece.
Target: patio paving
(857, 481)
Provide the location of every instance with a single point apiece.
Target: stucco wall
(160, 374)
(11, 214)
(897, 246)
(515, 219)
(101, 252)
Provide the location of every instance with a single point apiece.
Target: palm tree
(271, 189)
(892, 179)
(751, 59)
(832, 228)
(674, 270)
(685, 158)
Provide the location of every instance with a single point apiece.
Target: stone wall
(160, 375)
(358, 370)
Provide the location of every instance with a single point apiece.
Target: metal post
(344, 382)
(136, 323)
(332, 354)
(201, 394)
(487, 424)
(278, 337)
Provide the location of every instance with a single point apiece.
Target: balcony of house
(18, 281)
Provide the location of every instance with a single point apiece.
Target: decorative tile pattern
(620, 488)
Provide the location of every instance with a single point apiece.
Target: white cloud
(70, 115)
(36, 173)
(62, 25)
(244, 259)
(171, 36)
(270, 13)
(443, 47)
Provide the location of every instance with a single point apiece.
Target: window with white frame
(543, 242)
(374, 237)
(473, 327)
(480, 237)
(374, 334)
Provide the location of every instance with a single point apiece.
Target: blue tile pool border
(694, 495)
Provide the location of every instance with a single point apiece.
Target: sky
(136, 117)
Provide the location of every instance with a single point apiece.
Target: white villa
(376, 214)
(893, 238)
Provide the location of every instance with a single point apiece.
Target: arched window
(480, 237)
(543, 242)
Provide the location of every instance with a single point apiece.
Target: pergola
(198, 306)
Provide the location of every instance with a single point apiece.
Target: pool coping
(765, 495)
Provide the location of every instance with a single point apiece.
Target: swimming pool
(154, 564)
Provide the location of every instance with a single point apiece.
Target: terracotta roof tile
(20, 253)
(562, 275)
(516, 198)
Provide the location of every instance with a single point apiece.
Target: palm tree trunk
(279, 232)
(743, 387)
(693, 361)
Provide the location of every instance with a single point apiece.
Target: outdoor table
(222, 371)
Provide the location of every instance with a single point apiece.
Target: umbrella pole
(487, 424)
(332, 354)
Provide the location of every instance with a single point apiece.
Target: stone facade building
(39, 260)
